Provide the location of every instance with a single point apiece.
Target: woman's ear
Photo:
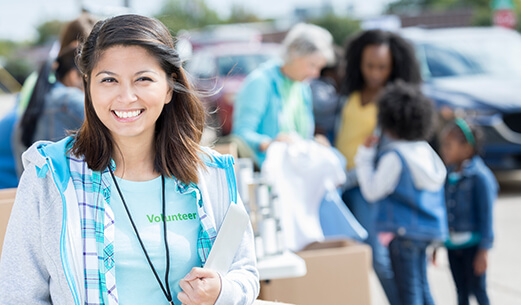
(170, 93)
(169, 96)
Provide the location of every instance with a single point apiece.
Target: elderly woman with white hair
(275, 101)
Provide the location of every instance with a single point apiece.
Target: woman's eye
(108, 80)
(144, 78)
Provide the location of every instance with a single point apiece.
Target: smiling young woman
(127, 209)
(129, 90)
(179, 127)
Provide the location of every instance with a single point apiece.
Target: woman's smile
(127, 115)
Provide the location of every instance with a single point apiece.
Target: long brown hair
(179, 127)
(77, 29)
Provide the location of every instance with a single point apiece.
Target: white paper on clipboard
(228, 239)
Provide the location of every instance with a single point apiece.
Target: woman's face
(129, 90)
(376, 66)
(303, 67)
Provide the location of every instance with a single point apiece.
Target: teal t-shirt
(135, 280)
(294, 113)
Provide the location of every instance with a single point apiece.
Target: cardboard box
(338, 273)
(6, 203)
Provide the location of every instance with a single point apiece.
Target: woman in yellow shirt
(374, 59)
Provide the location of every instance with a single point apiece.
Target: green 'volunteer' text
(158, 218)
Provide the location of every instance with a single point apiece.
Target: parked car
(219, 71)
(476, 73)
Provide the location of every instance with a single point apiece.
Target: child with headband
(470, 192)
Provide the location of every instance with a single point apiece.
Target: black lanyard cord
(166, 291)
(166, 244)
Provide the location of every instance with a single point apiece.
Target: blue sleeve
(250, 109)
(307, 96)
(485, 189)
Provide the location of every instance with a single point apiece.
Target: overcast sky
(19, 18)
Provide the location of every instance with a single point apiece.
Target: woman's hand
(480, 262)
(385, 238)
(200, 286)
(434, 256)
(264, 145)
(281, 137)
(322, 139)
(371, 141)
(285, 137)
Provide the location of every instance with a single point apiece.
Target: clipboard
(228, 239)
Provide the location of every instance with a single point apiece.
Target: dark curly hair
(404, 112)
(405, 66)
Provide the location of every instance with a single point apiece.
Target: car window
(202, 65)
(474, 53)
(240, 64)
(498, 54)
(444, 61)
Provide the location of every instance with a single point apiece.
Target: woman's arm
(485, 195)
(377, 182)
(241, 284)
(24, 278)
(249, 111)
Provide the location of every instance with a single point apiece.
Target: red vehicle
(219, 71)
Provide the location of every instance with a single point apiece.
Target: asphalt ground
(504, 271)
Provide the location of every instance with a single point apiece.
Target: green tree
(239, 14)
(482, 17)
(411, 6)
(341, 28)
(517, 8)
(18, 67)
(49, 30)
(7, 47)
(187, 14)
(483, 13)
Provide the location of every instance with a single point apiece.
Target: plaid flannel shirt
(97, 227)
